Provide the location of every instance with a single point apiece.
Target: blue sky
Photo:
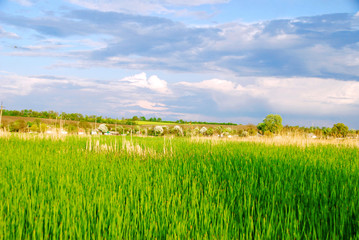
(205, 60)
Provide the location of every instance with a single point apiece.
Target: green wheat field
(108, 187)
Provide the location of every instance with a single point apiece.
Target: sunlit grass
(114, 187)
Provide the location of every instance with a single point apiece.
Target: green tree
(272, 123)
(340, 130)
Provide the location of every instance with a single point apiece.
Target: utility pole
(1, 114)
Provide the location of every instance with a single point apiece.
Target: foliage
(203, 130)
(272, 123)
(340, 130)
(85, 125)
(252, 132)
(103, 128)
(209, 132)
(268, 134)
(207, 123)
(34, 128)
(158, 130)
(218, 130)
(72, 128)
(43, 127)
(243, 133)
(130, 122)
(178, 130)
(17, 126)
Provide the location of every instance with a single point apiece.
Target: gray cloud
(321, 46)
(143, 7)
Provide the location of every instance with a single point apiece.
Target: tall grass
(115, 188)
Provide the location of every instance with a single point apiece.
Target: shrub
(268, 134)
(178, 130)
(244, 134)
(158, 130)
(209, 131)
(17, 126)
(103, 128)
(252, 132)
(203, 130)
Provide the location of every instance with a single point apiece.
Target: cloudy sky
(206, 60)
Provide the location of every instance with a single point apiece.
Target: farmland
(160, 187)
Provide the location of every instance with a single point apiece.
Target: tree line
(94, 118)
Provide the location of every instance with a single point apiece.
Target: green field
(155, 123)
(110, 187)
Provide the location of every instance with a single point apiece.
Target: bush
(268, 134)
(103, 128)
(252, 132)
(177, 130)
(17, 126)
(203, 130)
(243, 133)
(209, 131)
(158, 130)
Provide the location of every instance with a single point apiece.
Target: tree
(272, 123)
(103, 128)
(340, 130)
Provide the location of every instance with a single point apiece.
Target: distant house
(93, 132)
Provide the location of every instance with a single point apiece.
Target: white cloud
(324, 58)
(13, 84)
(151, 105)
(5, 34)
(153, 82)
(212, 84)
(314, 96)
